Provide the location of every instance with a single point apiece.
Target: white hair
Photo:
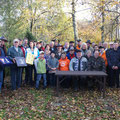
(84, 44)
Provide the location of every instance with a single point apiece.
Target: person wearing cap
(71, 44)
(2, 54)
(53, 65)
(89, 46)
(71, 54)
(79, 42)
(103, 55)
(16, 72)
(28, 76)
(114, 65)
(78, 63)
(40, 65)
(59, 51)
(64, 66)
(3, 40)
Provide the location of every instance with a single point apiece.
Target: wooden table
(102, 76)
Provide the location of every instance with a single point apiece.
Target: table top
(80, 73)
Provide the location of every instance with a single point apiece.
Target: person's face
(56, 43)
(84, 47)
(3, 42)
(26, 42)
(38, 45)
(96, 54)
(71, 52)
(63, 56)
(102, 49)
(72, 44)
(93, 45)
(79, 43)
(52, 44)
(47, 52)
(79, 54)
(31, 44)
(89, 54)
(105, 45)
(52, 55)
(96, 48)
(59, 48)
(16, 44)
(41, 55)
(0, 43)
(20, 42)
(88, 44)
(66, 45)
(115, 45)
(111, 45)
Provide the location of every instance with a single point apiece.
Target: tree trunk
(74, 21)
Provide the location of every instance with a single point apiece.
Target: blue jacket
(2, 53)
(114, 58)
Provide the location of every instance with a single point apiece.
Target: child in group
(53, 65)
(40, 65)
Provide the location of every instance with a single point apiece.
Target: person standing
(16, 72)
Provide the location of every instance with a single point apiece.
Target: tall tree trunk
(74, 21)
(117, 24)
(103, 22)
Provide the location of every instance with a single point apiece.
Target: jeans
(39, 76)
(16, 73)
(1, 77)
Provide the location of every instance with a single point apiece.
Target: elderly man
(16, 72)
(78, 63)
(96, 63)
(114, 65)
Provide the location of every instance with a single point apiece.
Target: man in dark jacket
(96, 63)
(2, 54)
(16, 72)
(114, 65)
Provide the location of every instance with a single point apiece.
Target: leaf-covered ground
(30, 104)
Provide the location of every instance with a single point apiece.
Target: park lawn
(30, 104)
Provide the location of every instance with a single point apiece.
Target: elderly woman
(16, 72)
(84, 49)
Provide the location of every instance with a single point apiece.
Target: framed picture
(20, 61)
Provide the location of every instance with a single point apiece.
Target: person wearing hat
(3, 40)
(40, 65)
(78, 63)
(16, 72)
(71, 54)
(114, 65)
(53, 65)
(2, 54)
(59, 51)
(89, 46)
(79, 42)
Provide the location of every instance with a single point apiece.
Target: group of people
(85, 56)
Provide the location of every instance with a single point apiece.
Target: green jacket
(41, 66)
